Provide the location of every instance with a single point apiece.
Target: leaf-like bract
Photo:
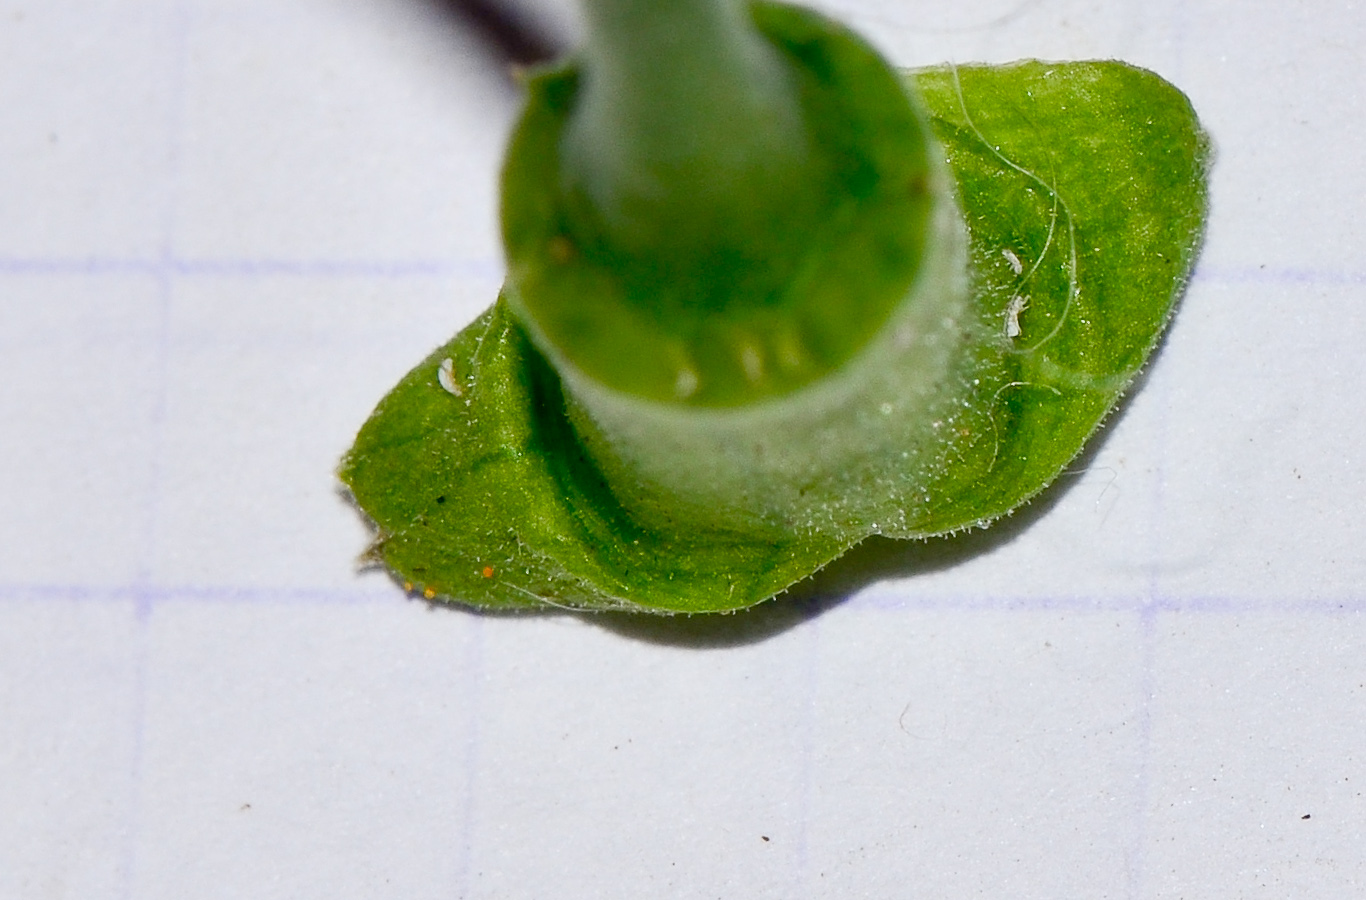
(1083, 187)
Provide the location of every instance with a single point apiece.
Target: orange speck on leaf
(561, 250)
(488, 572)
(429, 593)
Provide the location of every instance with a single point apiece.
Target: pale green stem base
(829, 458)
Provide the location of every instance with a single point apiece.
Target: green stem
(748, 266)
(689, 145)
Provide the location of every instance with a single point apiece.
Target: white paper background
(226, 228)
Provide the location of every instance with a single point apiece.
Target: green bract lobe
(1058, 212)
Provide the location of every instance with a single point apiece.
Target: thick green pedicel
(1083, 188)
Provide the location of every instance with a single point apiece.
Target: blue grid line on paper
(1136, 866)
(1277, 275)
(481, 269)
(806, 788)
(177, 56)
(462, 876)
(1197, 604)
(491, 269)
(868, 600)
(151, 594)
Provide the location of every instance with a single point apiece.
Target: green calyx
(719, 219)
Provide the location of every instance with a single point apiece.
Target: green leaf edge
(487, 499)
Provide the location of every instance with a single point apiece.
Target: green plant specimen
(742, 335)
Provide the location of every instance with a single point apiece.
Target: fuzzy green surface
(737, 324)
(1090, 178)
(1094, 176)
